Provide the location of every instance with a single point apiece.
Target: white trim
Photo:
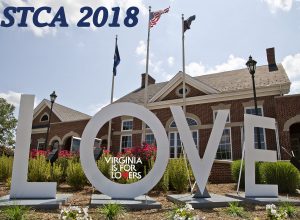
(70, 134)
(230, 136)
(177, 80)
(125, 120)
(41, 107)
(214, 116)
(40, 141)
(39, 131)
(262, 114)
(124, 135)
(221, 97)
(45, 113)
(149, 133)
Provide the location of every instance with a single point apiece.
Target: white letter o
(97, 179)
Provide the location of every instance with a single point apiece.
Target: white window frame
(126, 120)
(43, 116)
(150, 134)
(262, 114)
(40, 142)
(125, 135)
(176, 133)
(228, 120)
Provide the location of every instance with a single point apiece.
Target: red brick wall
(287, 107)
(220, 173)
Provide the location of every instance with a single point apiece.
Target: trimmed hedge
(5, 168)
(75, 175)
(235, 172)
(39, 170)
(178, 176)
(283, 174)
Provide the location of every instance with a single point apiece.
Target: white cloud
(72, 10)
(196, 69)
(275, 5)
(171, 61)
(12, 98)
(291, 64)
(141, 49)
(94, 108)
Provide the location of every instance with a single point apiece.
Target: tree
(8, 123)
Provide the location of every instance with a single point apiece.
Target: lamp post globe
(53, 97)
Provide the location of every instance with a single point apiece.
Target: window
(127, 125)
(224, 149)
(41, 145)
(45, 117)
(174, 138)
(179, 91)
(126, 141)
(190, 121)
(215, 116)
(150, 139)
(262, 132)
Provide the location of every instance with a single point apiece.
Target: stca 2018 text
(19, 16)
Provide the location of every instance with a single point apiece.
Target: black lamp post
(53, 96)
(251, 64)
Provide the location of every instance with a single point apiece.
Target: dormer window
(45, 117)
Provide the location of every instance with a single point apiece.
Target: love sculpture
(22, 189)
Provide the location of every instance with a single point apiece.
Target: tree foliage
(8, 123)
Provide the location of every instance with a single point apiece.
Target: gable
(177, 94)
(44, 111)
(199, 88)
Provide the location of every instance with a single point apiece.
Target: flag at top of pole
(155, 16)
(117, 58)
(187, 23)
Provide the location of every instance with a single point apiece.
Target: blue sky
(77, 62)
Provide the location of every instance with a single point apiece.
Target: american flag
(155, 16)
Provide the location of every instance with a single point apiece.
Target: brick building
(205, 95)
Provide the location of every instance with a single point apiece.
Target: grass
(290, 209)
(112, 211)
(235, 210)
(16, 213)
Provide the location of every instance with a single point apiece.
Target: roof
(64, 113)
(223, 82)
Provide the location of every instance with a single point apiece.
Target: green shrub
(39, 170)
(63, 163)
(281, 173)
(235, 210)
(105, 167)
(112, 211)
(16, 213)
(235, 172)
(75, 175)
(289, 209)
(5, 167)
(163, 184)
(178, 175)
(56, 173)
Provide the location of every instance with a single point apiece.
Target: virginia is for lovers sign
(201, 167)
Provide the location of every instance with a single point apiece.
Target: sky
(77, 62)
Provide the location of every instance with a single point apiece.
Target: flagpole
(147, 74)
(183, 67)
(111, 101)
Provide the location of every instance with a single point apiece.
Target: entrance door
(295, 139)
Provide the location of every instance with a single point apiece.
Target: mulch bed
(82, 198)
